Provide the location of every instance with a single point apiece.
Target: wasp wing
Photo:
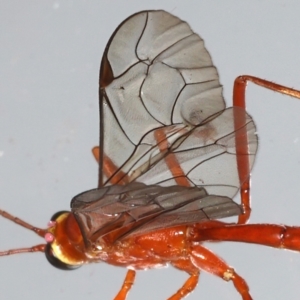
(117, 211)
(160, 100)
(155, 75)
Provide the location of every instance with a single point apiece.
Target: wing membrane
(118, 211)
(164, 132)
(155, 73)
(207, 155)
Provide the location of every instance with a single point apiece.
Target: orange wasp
(171, 159)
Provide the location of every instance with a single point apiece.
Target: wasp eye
(58, 214)
(55, 262)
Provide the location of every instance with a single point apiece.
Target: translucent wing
(155, 74)
(167, 143)
(122, 210)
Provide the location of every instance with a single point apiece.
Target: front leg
(127, 284)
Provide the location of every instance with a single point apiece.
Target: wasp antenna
(38, 231)
(36, 248)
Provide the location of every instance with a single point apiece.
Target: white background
(50, 54)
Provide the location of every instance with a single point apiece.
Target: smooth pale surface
(50, 54)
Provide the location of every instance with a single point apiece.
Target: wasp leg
(209, 262)
(127, 284)
(110, 169)
(240, 84)
(239, 91)
(277, 236)
(170, 158)
(186, 265)
(96, 153)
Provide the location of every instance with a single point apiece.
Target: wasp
(171, 158)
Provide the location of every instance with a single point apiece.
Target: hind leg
(239, 99)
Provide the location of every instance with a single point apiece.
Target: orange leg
(110, 169)
(127, 284)
(191, 283)
(170, 158)
(278, 236)
(209, 262)
(239, 91)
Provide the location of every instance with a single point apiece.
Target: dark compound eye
(58, 214)
(55, 262)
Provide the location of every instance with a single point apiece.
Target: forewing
(155, 71)
(118, 211)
